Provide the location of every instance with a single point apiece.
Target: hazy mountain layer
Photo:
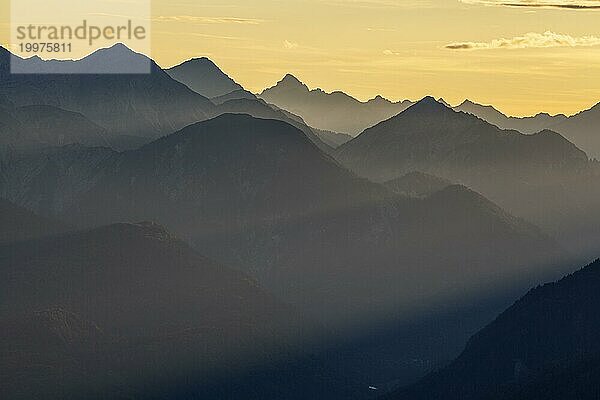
(581, 129)
(430, 137)
(335, 111)
(147, 105)
(235, 95)
(527, 125)
(259, 109)
(584, 130)
(258, 195)
(39, 126)
(543, 178)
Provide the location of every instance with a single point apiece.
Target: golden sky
(521, 59)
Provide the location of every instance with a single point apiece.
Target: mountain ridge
(204, 77)
(552, 326)
(335, 111)
(147, 105)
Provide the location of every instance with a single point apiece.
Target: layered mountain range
(581, 128)
(258, 194)
(432, 137)
(517, 171)
(400, 242)
(147, 105)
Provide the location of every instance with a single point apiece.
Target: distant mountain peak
(379, 99)
(470, 104)
(428, 104)
(120, 47)
(290, 80)
(118, 50)
(205, 61)
(205, 77)
(444, 102)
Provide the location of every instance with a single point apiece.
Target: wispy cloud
(566, 4)
(208, 20)
(529, 40)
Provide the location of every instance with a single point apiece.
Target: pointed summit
(465, 103)
(120, 47)
(428, 104)
(204, 77)
(444, 102)
(290, 80)
(117, 54)
(378, 100)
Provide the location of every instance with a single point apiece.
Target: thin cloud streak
(564, 4)
(529, 40)
(208, 20)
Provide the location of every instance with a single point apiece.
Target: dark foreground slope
(128, 311)
(546, 346)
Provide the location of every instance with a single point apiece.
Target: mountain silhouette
(336, 112)
(543, 347)
(528, 125)
(431, 137)
(258, 194)
(235, 95)
(582, 129)
(259, 109)
(517, 171)
(38, 126)
(579, 128)
(117, 59)
(204, 77)
(147, 105)
(332, 139)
